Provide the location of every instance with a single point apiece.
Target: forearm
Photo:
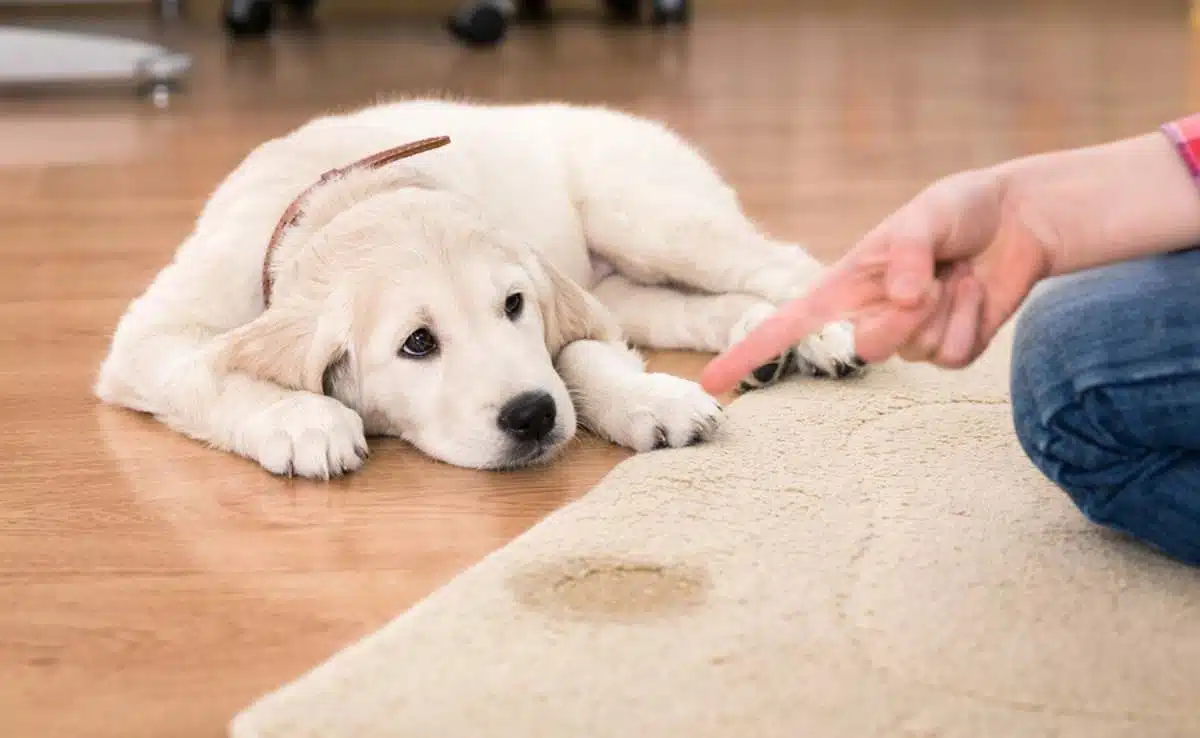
(1099, 205)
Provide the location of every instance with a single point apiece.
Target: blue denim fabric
(1106, 396)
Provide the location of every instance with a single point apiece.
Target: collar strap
(296, 208)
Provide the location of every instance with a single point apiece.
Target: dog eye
(513, 305)
(419, 344)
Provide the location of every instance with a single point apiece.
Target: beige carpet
(852, 560)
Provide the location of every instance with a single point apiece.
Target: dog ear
(570, 312)
(293, 344)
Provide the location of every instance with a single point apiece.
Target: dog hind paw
(772, 372)
(830, 353)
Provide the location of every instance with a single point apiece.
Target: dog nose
(529, 416)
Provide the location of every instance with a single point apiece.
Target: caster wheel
(249, 18)
(624, 11)
(159, 92)
(159, 77)
(160, 95)
(302, 9)
(533, 11)
(481, 24)
(667, 12)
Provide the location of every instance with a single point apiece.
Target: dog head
(407, 307)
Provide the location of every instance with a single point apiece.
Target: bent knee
(1061, 373)
(1080, 335)
(1042, 376)
(1076, 431)
(1102, 363)
(1070, 448)
(1119, 487)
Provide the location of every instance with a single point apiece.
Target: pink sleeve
(1185, 134)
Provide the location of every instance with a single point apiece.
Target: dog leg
(674, 240)
(660, 317)
(174, 378)
(619, 401)
(658, 237)
(666, 318)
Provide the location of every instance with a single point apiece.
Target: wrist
(1032, 204)
(1098, 205)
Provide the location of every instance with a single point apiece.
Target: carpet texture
(871, 558)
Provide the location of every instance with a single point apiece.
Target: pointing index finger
(839, 295)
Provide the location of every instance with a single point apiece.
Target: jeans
(1106, 396)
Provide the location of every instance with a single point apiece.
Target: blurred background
(161, 586)
(823, 112)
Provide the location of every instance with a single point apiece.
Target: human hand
(934, 282)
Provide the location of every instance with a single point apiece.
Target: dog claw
(660, 434)
(849, 368)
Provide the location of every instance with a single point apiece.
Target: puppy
(476, 295)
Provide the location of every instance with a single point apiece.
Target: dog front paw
(306, 435)
(660, 411)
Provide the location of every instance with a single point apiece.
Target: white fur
(611, 227)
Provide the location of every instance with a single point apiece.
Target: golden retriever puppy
(477, 297)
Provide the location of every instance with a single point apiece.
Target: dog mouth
(533, 453)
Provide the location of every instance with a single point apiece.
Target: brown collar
(296, 208)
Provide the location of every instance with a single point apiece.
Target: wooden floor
(153, 587)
